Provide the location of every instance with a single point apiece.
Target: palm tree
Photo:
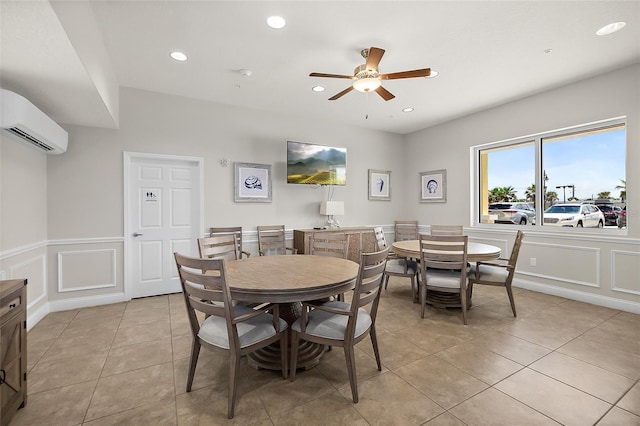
(604, 194)
(623, 187)
(552, 197)
(504, 193)
(530, 193)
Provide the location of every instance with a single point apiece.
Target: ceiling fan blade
(385, 94)
(319, 74)
(425, 72)
(375, 55)
(341, 94)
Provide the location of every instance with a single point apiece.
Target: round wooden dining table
(289, 280)
(475, 251)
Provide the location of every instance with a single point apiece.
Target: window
(571, 178)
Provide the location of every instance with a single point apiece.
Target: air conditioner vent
(27, 124)
(16, 131)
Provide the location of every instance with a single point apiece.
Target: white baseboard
(34, 316)
(580, 296)
(85, 302)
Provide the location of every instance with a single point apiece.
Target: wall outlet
(532, 261)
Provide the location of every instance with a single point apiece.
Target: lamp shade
(332, 208)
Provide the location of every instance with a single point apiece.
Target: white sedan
(574, 215)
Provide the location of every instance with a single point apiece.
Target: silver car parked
(514, 213)
(574, 215)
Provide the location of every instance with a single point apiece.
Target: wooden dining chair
(447, 230)
(497, 272)
(397, 266)
(234, 230)
(443, 272)
(272, 241)
(227, 328)
(334, 244)
(344, 324)
(405, 230)
(221, 246)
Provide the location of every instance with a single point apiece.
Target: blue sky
(593, 163)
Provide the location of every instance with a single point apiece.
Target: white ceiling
(487, 53)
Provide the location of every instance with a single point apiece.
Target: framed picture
(252, 183)
(379, 185)
(433, 186)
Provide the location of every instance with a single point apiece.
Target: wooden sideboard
(13, 348)
(361, 239)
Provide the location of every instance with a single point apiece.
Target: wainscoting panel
(86, 269)
(625, 271)
(505, 245)
(565, 263)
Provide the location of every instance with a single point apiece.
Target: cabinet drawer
(11, 303)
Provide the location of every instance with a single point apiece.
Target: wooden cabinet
(361, 240)
(13, 348)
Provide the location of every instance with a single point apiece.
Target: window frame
(537, 140)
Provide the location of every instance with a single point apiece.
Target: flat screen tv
(316, 164)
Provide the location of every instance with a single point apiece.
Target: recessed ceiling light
(178, 56)
(276, 22)
(317, 89)
(407, 109)
(611, 28)
(433, 74)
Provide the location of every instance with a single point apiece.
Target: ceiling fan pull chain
(366, 105)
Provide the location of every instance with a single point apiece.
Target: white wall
(585, 266)
(85, 209)
(23, 220)
(90, 173)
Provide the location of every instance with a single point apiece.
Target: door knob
(137, 234)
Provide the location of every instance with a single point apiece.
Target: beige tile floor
(559, 362)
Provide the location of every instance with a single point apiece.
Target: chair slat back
(447, 230)
(203, 281)
(369, 281)
(334, 244)
(515, 251)
(443, 252)
(271, 240)
(234, 230)
(381, 241)
(222, 246)
(406, 230)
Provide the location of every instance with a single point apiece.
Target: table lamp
(331, 209)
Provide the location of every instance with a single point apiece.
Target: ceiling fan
(367, 77)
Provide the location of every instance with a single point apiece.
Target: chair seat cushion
(444, 278)
(396, 266)
(214, 329)
(327, 324)
(490, 273)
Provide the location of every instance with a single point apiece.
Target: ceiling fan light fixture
(367, 84)
(317, 89)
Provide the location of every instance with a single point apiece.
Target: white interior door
(163, 215)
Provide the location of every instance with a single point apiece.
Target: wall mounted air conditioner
(25, 121)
